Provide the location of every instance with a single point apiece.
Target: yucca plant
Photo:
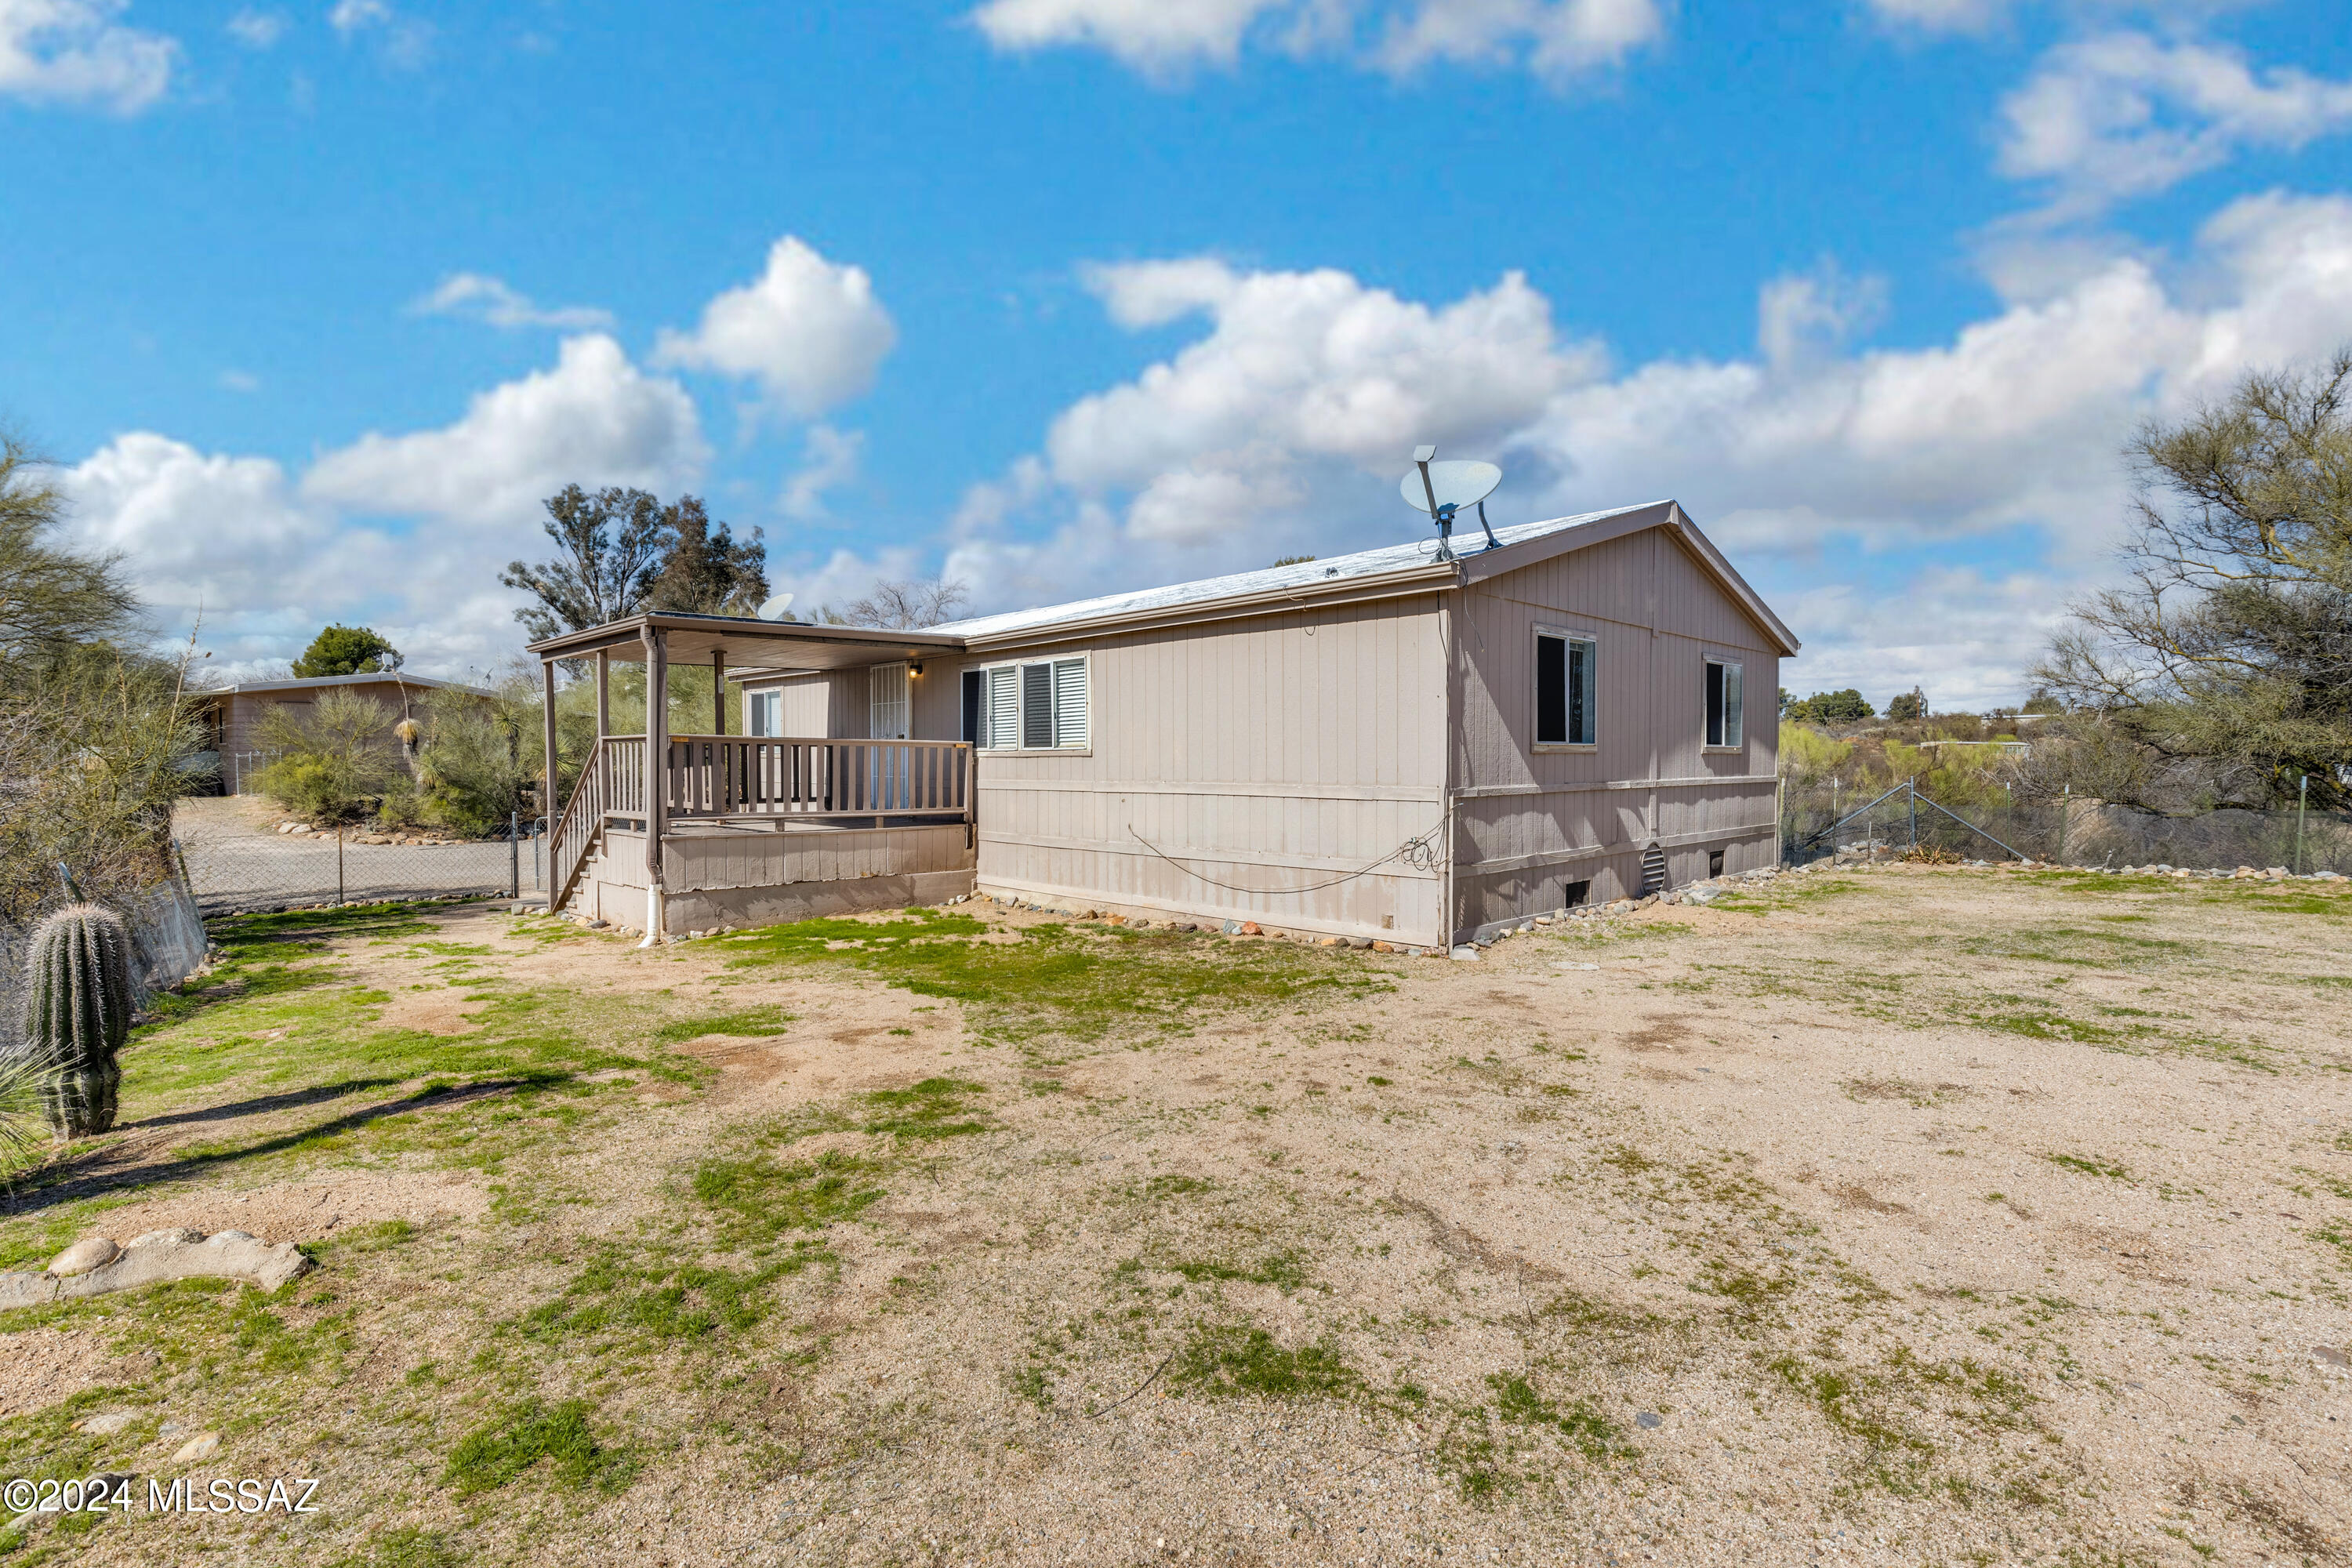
(24, 1086)
(78, 1014)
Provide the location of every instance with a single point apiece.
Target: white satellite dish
(773, 610)
(1442, 490)
(1457, 482)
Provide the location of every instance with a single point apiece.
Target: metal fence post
(1914, 815)
(339, 899)
(514, 854)
(2302, 808)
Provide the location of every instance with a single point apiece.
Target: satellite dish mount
(1442, 490)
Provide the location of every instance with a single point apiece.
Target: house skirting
(718, 876)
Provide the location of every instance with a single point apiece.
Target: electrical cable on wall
(1419, 852)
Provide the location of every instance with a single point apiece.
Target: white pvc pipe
(653, 917)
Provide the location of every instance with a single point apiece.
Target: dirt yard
(1900, 1216)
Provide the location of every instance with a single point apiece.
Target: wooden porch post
(603, 692)
(657, 777)
(552, 803)
(719, 691)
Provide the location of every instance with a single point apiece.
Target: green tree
(52, 598)
(2231, 642)
(98, 735)
(1911, 704)
(1846, 707)
(611, 547)
(707, 569)
(347, 650)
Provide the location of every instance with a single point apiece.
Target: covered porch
(675, 831)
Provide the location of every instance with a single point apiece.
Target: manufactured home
(233, 716)
(1396, 744)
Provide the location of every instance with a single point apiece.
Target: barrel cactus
(78, 1012)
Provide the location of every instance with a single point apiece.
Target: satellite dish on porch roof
(773, 610)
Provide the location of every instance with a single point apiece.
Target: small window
(763, 713)
(1722, 703)
(975, 707)
(1005, 706)
(1564, 695)
(1036, 707)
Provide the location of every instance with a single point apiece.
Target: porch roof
(745, 643)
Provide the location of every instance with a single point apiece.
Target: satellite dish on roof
(1443, 489)
(773, 610)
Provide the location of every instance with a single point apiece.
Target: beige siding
(1532, 822)
(1231, 763)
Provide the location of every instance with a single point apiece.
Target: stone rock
(1383, 947)
(1467, 954)
(1326, 941)
(159, 1256)
(202, 1446)
(109, 1422)
(90, 1252)
(1251, 927)
(1360, 943)
(1141, 925)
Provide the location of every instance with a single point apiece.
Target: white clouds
(1298, 370)
(1556, 38)
(1282, 428)
(482, 298)
(2126, 114)
(812, 334)
(258, 29)
(268, 557)
(829, 459)
(594, 418)
(355, 15)
(1943, 15)
(75, 52)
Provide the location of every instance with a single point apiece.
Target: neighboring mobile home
(232, 715)
(1386, 744)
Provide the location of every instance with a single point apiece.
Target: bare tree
(2231, 643)
(907, 605)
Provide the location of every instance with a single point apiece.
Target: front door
(889, 713)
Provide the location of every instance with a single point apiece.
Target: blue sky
(313, 302)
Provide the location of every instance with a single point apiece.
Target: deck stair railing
(613, 784)
(709, 777)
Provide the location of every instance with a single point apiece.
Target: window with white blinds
(1038, 706)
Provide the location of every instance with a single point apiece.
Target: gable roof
(1412, 566)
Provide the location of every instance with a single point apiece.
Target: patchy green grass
(531, 1434)
(1081, 982)
(2090, 1167)
(935, 1108)
(1287, 1271)
(749, 1023)
(1229, 1359)
(757, 1198)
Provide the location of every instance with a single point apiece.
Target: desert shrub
(474, 760)
(335, 761)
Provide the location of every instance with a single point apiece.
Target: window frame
(756, 703)
(985, 669)
(1724, 748)
(1571, 634)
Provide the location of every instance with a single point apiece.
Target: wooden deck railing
(756, 776)
(764, 775)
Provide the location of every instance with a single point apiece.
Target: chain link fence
(235, 870)
(2071, 833)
